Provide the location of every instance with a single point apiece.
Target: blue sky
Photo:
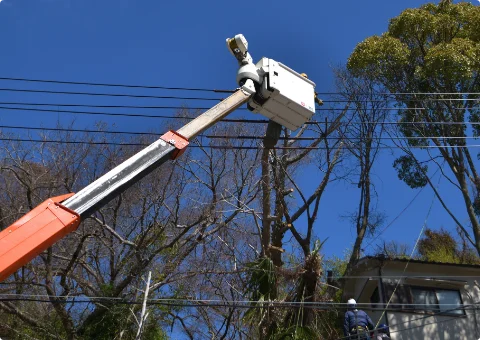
(182, 44)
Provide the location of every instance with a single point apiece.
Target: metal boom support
(50, 221)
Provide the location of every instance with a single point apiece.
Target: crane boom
(58, 216)
(269, 88)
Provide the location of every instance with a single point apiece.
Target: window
(375, 299)
(448, 300)
(437, 300)
(425, 299)
(400, 296)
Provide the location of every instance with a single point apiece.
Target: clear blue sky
(182, 43)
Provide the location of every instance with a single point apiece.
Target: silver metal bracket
(249, 87)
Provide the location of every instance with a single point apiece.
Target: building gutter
(382, 288)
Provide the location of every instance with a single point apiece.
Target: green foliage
(394, 249)
(438, 246)
(153, 331)
(296, 333)
(476, 205)
(438, 42)
(110, 324)
(376, 56)
(441, 246)
(453, 62)
(119, 318)
(408, 171)
(431, 49)
(262, 283)
(262, 287)
(434, 48)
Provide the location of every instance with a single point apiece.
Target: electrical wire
(411, 255)
(229, 147)
(353, 139)
(399, 214)
(106, 94)
(230, 137)
(420, 326)
(401, 93)
(229, 120)
(50, 81)
(106, 106)
(198, 108)
(338, 101)
(409, 100)
(204, 302)
(242, 304)
(262, 121)
(114, 85)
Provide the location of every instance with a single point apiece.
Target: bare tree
(159, 224)
(363, 135)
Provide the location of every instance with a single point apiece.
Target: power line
(130, 114)
(256, 121)
(114, 85)
(400, 93)
(186, 303)
(409, 100)
(107, 94)
(215, 99)
(107, 106)
(203, 302)
(253, 305)
(335, 138)
(411, 255)
(422, 325)
(242, 137)
(401, 212)
(193, 108)
(228, 147)
(444, 312)
(50, 81)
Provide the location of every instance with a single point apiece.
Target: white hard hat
(351, 303)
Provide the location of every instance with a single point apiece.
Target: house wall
(418, 325)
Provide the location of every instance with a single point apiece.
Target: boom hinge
(177, 140)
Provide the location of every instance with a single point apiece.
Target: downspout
(382, 288)
(474, 312)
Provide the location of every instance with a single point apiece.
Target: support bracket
(177, 140)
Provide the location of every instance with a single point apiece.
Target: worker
(356, 323)
(383, 333)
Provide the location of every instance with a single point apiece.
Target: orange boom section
(35, 232)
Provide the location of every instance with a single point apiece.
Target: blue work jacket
(362, 319)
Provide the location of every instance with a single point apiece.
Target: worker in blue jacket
(357, 323)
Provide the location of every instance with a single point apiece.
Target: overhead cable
(228, 120)
(196, 108)
(50, 81)
(411, 256)
(114, 85)
(230, 137)
(107, 94)
(179, 117)
(231, 147)
(218, 99)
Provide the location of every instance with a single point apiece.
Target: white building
(429, 300)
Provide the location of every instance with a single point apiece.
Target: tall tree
(290, 208)
(363, 133)
(429, 61)
(159, 224)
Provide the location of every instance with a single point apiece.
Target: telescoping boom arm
(269, 88)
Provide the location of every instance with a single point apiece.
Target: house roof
(397, 259)
(370, 262)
